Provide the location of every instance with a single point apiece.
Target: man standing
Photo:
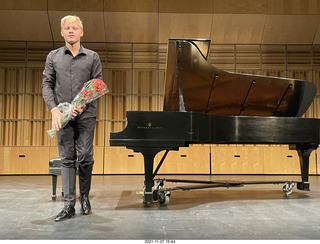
(66, 71)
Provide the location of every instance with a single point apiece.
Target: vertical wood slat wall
(135, 74)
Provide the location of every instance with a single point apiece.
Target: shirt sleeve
(96, 72)
(48, 83)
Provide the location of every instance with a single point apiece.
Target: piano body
(205, 105)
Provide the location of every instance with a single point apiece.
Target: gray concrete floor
(253, 212)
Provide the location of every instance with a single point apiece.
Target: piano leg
(304, 155)
(148, 155)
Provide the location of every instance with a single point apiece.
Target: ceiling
(155, 21)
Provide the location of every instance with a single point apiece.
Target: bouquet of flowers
(92, 90)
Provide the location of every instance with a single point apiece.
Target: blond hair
(71, 18)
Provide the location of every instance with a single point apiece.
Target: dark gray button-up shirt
(65, 75)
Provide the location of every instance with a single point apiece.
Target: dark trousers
(75, 144)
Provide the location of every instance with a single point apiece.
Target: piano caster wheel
(163, 197)
(288, 188)
(54, 198)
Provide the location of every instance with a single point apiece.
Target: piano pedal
(288, 188)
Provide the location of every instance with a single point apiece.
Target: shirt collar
(82, 50)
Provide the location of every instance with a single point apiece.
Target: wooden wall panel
(34, 75)
(119, 55)
(315, 109)
(313, 164)
(317, 161)
(181, 25)
(273, 57)
(98, 157)
(12, 79)
(299, 58)
(194, 159)
(238, 28)
(145, 56)
(35, 108)
(119, 160)
(119, 81)
(257, 159)
(119, 99)
(2, 102)
(35, 133)
(248, 57)
(162, 84)
(186, 6)
(131, 6)
(131, 27)
(240, 7)
(145, 103)
(223, 57)
(101, 108)
(145, 82)
(12, 106)
(36, 57)
(35, 25)
(53, 151)
(3, 164)
(316, 39)
(316, 80)
(99, 134)
(162, 55)
(274, 73)
(235, 21)
(35, 160)
(117, 106)
(11, 133)
(281, 160)
(293, 7)
(25, 160)
(289, 29)
(237, 159)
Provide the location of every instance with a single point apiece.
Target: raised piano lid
(192, 84)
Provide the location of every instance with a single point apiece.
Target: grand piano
(206, 105)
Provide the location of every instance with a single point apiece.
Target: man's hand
(56, 118)
(77, 110)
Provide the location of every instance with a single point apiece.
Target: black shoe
(66, 213)
(85, 204)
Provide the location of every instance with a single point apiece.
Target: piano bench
(55, 170)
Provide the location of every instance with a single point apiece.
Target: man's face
(71, 32)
